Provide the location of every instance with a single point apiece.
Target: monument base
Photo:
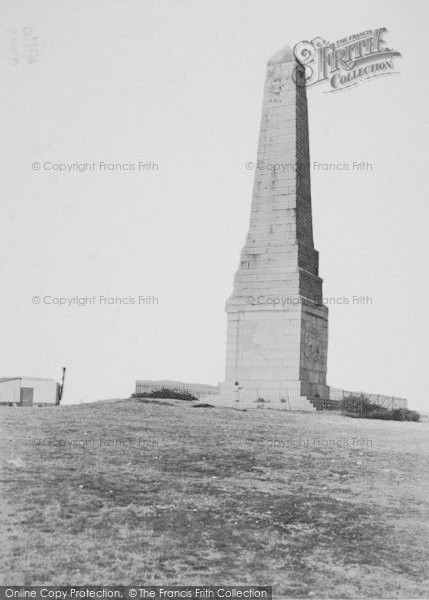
(290, 396)
(279, 395)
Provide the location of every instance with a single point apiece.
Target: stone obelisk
(277, 331)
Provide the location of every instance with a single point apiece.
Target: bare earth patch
(317, 505)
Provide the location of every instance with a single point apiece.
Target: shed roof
(2, 379)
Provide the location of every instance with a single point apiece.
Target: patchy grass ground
(162, 493)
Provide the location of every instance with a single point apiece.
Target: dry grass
(180, 495)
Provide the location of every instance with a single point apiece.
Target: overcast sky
(179, 84)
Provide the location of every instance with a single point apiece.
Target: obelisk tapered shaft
(277, 325)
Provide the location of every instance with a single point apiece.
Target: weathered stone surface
(278, 350)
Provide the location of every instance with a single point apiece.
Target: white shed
(29, 391)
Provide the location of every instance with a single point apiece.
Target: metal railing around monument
(389, 402)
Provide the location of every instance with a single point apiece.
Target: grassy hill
(317, 505)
